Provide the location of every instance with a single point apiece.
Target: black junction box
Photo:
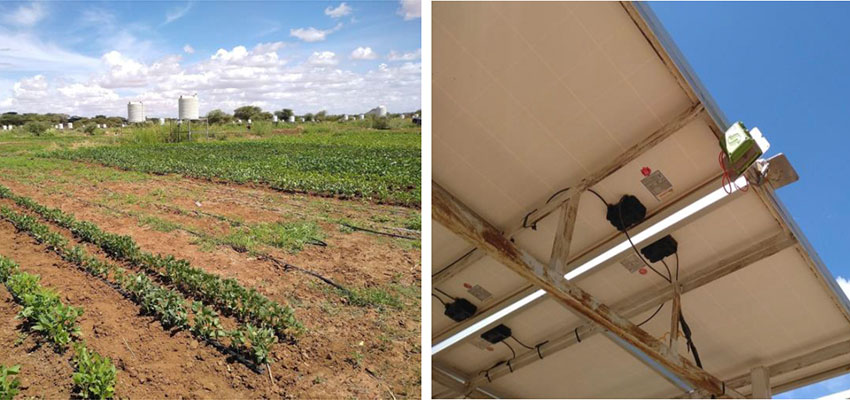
(661, 248)
(627, 213)
(497, 334)
(460, 309)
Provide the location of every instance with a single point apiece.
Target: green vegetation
(42, 309)
(382, 166)
(9, 383)
(227, 295)
(167, 305)
(95, 376)
(290, 236)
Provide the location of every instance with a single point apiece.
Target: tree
(308, 117)
(320, 116)
(263, 116)
(246, 112)
(218, 117)
(284, 114)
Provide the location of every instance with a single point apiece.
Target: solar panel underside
(529, 98)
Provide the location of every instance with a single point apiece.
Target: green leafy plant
(42, 310)
(95, 376)
(206, 323)
(9, 383)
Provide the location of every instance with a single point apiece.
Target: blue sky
(92, 57)
(784, 68)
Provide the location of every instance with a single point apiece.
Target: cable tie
(538, 349)
(525, 220)
(577, 337)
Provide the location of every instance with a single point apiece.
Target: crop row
(94, 375)
(171, 308)
(381, 172)
(227, 295)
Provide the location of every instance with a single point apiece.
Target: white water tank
(362, 116)
(249, 121)
(345, 117)
(291, 118)
(188, 108)
(274, 118)
(70, 125)
(162, 121)
(135, 112)
(302, 119)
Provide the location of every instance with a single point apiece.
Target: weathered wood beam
(564, 236)
(464, 222)
(634, 307)
(796, 363)
(761, 383)
(458, 384)
(544, 207)
(603, 246)
(675, 315)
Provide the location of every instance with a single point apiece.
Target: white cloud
(410, 9)
(26, 15)
(312, 34)
(363, 53)
(189, 49)
(24, 53)
(844, 284)
(176, 13)
(225, 79)
(323, 58)
(340, 11)
(410, 56)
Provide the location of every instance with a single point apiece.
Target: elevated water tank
(135, 112)
(188, 108)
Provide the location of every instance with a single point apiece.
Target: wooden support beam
(564, 236)
(544, 207)
(458, 384)
(605, 245)
(761, 382)
(464, 222)
(796, 363)
(634, 307)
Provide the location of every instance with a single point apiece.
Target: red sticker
(466, 285)
(642, 271)
(645, 171)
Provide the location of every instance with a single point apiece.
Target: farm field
(302, 263)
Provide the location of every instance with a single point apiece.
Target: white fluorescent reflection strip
(673, 219)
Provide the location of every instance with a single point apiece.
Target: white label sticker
(632, 262)
(657, 184)
(479, 292)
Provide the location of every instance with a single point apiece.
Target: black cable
(521, 343)
(653, 314)
(512, 349)
(557, 193)
(598, 195)
(441, 300)
(669, 275)
(629, 237)
(444, 293)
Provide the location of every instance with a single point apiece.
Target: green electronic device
(741, 148)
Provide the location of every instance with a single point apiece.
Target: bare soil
(347, 352)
